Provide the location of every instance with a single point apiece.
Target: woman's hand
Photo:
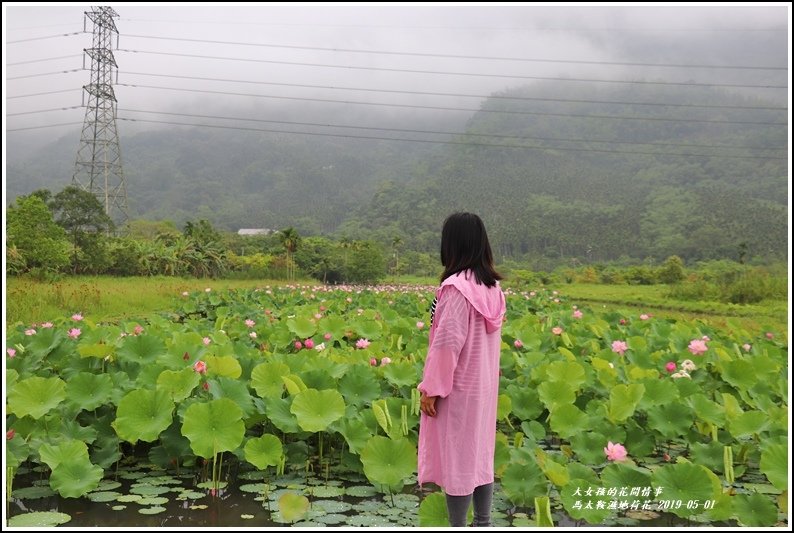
(427, 404)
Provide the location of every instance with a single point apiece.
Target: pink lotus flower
(373, 362)
(615, 452)
(747, 347)
(644, 317)
(252, 334)
(318, 316)
(623, 322)
(770, 335)
(577, 314)
(138, 330)
(11, 353)
(670, 366)
(556, 330)
(322, 308)
(619, 347)
(30, 332)
(706, 338)
(46, 325)
(420, 325)
(298, 345)
(309, 344)
(74, 333)
(200, 367)
(77, 317)
(697, 347)
(10, 434)
(385, 361)
(205, 386)
(518, 344)
(362, 343)
(206, 341)
(250, 323)
(327, 336)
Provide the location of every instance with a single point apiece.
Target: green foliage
(37, 240)
(80, 213)
(672, 270)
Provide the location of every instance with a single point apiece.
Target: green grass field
(109, 299)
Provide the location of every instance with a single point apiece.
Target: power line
(478, 74)
(462, 28)
(41, 60)
(43, 111)
(482, 96)
(45, 37)
(42, 94)
(467, 109)
(448, 142)
(46, 126)
(489, 135)
(456, 56)
(46, 74)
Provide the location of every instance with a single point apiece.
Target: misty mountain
(604, 181)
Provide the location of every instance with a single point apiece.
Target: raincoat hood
(488, 301)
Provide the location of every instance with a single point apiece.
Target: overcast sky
(265, 51)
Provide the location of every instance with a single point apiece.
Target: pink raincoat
(456, 447)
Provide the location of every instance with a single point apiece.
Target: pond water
(140, 497)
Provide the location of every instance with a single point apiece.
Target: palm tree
(290, 240)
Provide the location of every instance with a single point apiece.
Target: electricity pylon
(98, 165)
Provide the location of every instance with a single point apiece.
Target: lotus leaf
(401, 374)
(224, 366)
(556, 393)
(748, 423)
(672, 420)
(213, 427)
(685, 482)
(293, 506)
(264, 451)
(64, 452)
(774, 464)
(143, 415)
(75, 477)
(302, 327)
(623, 400)
(581, 501)
(236, 391)
(278, 411)
(179, 384)
(316, 409)
(36, 396)
(522, 483)
(567, 420)
(388, 462)
(140, 349)
(355, 432)
(754, 510)
(359, 386)
(266, 379)
(39, 519)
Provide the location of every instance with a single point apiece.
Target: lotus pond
(297, 405)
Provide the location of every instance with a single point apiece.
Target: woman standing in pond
(460, 382)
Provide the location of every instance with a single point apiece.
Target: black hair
(464, 245)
